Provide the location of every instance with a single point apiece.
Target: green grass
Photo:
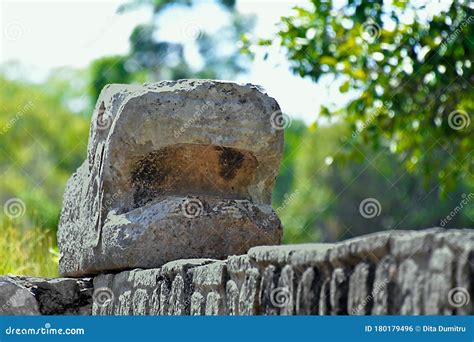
(31, 252)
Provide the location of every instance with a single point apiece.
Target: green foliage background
(407, 157)
(410, 67)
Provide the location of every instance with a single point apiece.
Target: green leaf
(344, 87)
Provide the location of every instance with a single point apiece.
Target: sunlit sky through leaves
(50, 34)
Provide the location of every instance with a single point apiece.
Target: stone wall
(427, 272)
(42, 296)
(400, 272)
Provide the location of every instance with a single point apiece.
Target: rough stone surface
(174, 170)
(389, 273)
(398, 272)
(42, 296)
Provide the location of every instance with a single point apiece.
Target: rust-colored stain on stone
(193, 169)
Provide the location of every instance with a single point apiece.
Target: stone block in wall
(268, 285)
(339, 290)
(383, 288)
(209, 282)
(175, 286)
(438, 282)
(307, 293)
(285, 296)
(232, 298)
(360, 297)
(324, 303)
(248, 298)
(45, 296)
(161, 291)
(462, 294)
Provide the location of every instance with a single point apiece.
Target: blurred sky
(42, 35)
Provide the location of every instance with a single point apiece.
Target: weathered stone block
(43, 296)
(174, 170)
